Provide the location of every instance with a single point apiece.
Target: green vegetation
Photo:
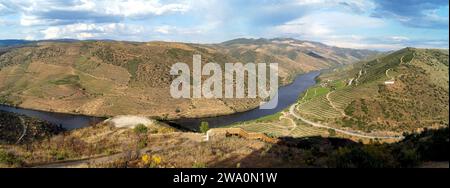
(269, 118)
(9, 159)
(132, 67)
(369, 105)
(314, 92)
(141, 129)
(68, 80)
(331, 132)
(199, 165)
(204, 127)
(36, 129)
(178, 53)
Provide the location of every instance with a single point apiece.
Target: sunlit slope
(109, 78)
(404, 91)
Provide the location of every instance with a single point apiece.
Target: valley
(391, 109)
(107, 78)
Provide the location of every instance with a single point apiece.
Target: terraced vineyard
(267, 128)
(341, 98)
(318, 108)
(315, 105)
(373, 105)
(284, 125)
(304, 130)
(370, 108)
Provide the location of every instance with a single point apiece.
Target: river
(287, 95)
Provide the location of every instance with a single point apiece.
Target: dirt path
(24, 130)
(350, 81)
(292, 111)
(333, 106)
(89, 161)
(306, 94)
(285, 116)
(387, 74)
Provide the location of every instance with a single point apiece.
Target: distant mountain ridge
(13, 42)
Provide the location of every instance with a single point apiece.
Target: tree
(331, 132)
(204, 126)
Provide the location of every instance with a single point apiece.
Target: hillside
(404, 91)
(15, 128)
(310, 55)
(106, 146)
(106, 78)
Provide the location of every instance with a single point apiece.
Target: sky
(364, 24)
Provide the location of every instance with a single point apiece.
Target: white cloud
(398, 38)
(361, 42)
(165, 29)
(44, 12)
(320, 25)
(304, 29)
(29, 20)
(131, 7)
(88, 31)
(2, 7)
(365, 45)
(355, 5)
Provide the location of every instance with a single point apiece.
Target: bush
(141, 129)
(199, 165)
(59, 154)
(332, 132)
(9, 159)
(204, 127)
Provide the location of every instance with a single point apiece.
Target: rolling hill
(107, 78)
(404, 91)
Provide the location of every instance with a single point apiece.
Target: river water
(287, 95)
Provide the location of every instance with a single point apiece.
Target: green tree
(204, 126)
(331, 132)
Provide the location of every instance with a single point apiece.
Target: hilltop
(107, 78)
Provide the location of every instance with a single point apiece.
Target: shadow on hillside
(430, 145)
(10, 128)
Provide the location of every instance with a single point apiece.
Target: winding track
(24, 130)
(333, 106)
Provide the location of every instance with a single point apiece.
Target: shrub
(204, 127)
(59, 154)
(9, 159)
(141, 129)
(142, 143)
(199, 165)
(151, 161)
(332, 132)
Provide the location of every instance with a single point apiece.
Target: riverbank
(288, 94)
